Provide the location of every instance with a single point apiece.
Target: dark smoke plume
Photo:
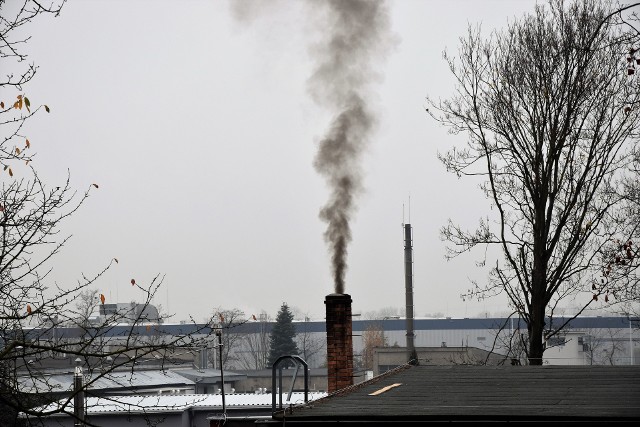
(357, 38)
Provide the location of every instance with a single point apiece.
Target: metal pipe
(293, 382)
(298, 361)
(78, 399)
(280, 384)
(224, 406)
(273, 388)
(408, 281)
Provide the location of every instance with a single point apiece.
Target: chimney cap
(338, 297)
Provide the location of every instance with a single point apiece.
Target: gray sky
(201, 133)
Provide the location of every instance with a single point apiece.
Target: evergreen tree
(282, 341)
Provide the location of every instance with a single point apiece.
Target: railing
(298, 361)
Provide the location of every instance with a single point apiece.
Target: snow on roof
(177, 403)
(112, 380)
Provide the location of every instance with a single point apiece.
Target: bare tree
(103, 349)
(15, 107)
(388, 312)
(37, 317)
(86, 302)
(620, 259)
(255, 347)
(309, 343)
(550, 112)
(511, 341)
(372, 337)
(602, 347)
(228, 320)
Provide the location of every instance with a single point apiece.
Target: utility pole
(219, 334)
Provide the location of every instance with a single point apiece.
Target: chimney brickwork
(339, 341)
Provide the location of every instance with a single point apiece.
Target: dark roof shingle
(513, 393)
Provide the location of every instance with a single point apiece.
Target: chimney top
(338, 296)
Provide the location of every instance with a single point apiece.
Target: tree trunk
(538, 283)
(537, 309)
(536, 332)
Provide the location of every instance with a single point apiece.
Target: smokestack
(408, 284)
(339, 341)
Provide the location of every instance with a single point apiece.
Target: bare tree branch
(551, 109)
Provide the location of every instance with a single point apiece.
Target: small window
(482, 338)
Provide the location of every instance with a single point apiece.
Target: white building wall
(594, 347)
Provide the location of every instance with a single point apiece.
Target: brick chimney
(339, 341)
